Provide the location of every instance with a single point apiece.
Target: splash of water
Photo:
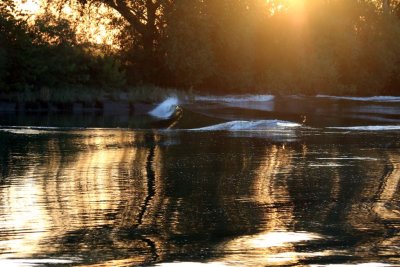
(166, 109)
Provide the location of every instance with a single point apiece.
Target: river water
(226, 181)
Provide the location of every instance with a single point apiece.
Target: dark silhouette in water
(150, 179)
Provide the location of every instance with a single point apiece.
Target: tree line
(220, 46)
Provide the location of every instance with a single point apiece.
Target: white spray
(166, 109)
(250, 125)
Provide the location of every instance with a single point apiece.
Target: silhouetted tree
(146, 19)
(280, 46)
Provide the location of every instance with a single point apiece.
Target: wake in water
(235, 98)
(366, 99)
(369, 128)
(166, 109)
(250, 125)
(33, 130)
(249, 102)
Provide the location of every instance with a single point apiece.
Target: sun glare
(88, 29)
(29, 6)
(298, 11)
(67, 10)
(296, 8)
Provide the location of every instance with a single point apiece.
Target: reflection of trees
(275, 242)
(315, 187)
(133, 198)
(271, 188)
(387, 207)
(387, 198)
(204, 188)
(352, 191)
(127, 196)
(24, 221)
(64, 191)
(379, 213)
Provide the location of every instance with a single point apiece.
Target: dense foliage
(46, 56)
(310, 47)
(224, 46)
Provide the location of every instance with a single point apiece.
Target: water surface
(274, 190)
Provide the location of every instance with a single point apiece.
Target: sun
(297, 9)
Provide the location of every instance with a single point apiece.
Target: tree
(283, 46)
(45, 55)
(146, 19)
(386, 6)
(188, 46)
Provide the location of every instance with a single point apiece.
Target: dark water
(310, 195)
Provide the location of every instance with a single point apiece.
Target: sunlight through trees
(278, 46)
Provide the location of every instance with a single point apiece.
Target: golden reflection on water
(23, 215)
(88, 187)
(272, 248)
(274, 245)
(388, 191)
(381, 188)
(58, 193)
(107, 184)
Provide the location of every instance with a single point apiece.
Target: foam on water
(254, 102)
(369, 128)
(235, 98)
(35, 262)
(29, 130)
(367, 99)
(166, 109)
(249, 125)
(370, 264)
(349, 158)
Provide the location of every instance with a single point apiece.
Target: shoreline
(106, 107)
(142, 104)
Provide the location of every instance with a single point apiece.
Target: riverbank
(105, 106)
(87, 100)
